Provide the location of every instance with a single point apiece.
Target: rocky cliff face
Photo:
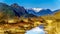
(19, 10)
(6, 10)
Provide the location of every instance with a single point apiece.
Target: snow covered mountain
(39, 11)
(17, 10)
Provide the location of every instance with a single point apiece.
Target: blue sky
(50, 4)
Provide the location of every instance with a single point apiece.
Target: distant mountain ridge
(40, 13)
(17, 10)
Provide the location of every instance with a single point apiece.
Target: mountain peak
(37, 9)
